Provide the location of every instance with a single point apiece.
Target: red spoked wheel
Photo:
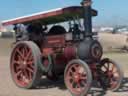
(24, 64)
(78, 77)
(113, 73)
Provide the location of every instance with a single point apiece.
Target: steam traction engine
(75, 54)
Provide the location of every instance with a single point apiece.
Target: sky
(110, 12)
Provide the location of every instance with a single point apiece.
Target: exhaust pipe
(87, 17)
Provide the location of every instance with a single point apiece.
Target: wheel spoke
(23, 52)
(30, 58)
(19, 67)
(83, 83)
(25, 80)
(26, 74)
(105, 67)
(16, 62)
(80, 70)
(115, 72)
(18, 74)
(30, 75)
(69, 78)
(113, 84)
(32, 66)
(113, 67)
(108, 65)
(20, 58)
(70, 72)
(115, 78)
(73, 85)
(74, 68)
(30, 62)
(28, 55)
(83, 77)
(20, 53)
(30, 70)
(79, 87)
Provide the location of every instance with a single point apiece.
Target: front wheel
(112, 74)
(78, 77)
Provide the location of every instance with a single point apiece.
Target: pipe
(87, 17)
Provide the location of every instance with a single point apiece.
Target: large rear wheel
(78, 77)
(24, 64)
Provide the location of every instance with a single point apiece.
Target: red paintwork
(56, 46)
(53, 44)
(55, 41)
(70, 53)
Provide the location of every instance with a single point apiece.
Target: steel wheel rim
(76, 78)
(111, 71)
(22, 65)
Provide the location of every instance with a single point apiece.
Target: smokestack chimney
(87, 17)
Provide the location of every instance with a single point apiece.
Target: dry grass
(113, 41)
(5, 46)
